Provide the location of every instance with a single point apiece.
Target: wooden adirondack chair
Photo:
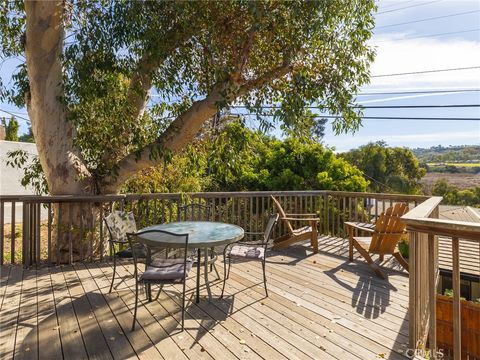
(386, 234)
(296, 235)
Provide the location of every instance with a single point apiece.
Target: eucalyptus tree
(114, 87)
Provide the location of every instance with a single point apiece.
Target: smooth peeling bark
(61, 162)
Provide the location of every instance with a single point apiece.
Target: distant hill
(450, 154)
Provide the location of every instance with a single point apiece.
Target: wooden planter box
(470, 313)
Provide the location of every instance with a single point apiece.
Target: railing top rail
(418, 219)
(118, 197)
(380, 196)
(423, 210)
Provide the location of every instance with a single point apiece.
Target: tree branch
(180, 133)
(243, 55)
(266, 78)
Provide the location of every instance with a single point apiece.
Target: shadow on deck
(320, 306)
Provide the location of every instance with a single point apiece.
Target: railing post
(25, 234)
(432, 283)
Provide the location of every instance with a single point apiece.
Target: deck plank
(214, 322)
(348, 324)
(49, 342)
(10, 312)
(72, 342)
(26, 346)
(194, 327)
(4, 274)
(121, 315)
(320, 306)
(92, 335)
(157, 334)
(118, 344)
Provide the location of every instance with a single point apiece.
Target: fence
(32, 227)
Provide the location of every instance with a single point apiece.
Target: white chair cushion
(247, 251)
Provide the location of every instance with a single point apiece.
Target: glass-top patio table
(201, 235)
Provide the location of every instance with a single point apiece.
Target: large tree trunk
(61, 162)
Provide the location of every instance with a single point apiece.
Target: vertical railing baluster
(457, 338)
(100, 224)
(2, 225)
(38, 233)
(12, 234)
(70, 230)
(25, 234)
(432, 283)
(49, 234)
(59, 232)
(81, 231)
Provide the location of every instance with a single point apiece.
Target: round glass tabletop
(200, 234)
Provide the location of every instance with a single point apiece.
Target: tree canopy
(239, 159)
(115, 87)
(11, 129)
(389, 169)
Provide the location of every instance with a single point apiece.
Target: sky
(416, 46)
(409, 48)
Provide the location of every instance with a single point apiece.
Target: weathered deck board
(320, 306)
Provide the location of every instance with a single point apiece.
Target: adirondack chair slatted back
(388, 230)
(283, 215)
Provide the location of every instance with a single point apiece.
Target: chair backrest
(272, 220)
(388, 229)
(194, 211)
(283, 215)
(119, 223)
(136, 244)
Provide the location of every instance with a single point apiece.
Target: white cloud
(395, 54)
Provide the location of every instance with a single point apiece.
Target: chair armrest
(300, 219)
(359, 226)
(301, 214)
(254, 233)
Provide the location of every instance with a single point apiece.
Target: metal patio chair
(159, 271)
(119, 223)
(249, 250)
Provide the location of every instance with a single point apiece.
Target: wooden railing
(424, 228)
(29, 225)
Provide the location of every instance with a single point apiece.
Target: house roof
(469, 249)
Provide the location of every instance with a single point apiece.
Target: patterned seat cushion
(120, 223)
(247, 251)
(166, 269)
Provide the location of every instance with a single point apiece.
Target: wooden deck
(320, 307)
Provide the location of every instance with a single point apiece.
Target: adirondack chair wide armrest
(360, 226)
(300, 219)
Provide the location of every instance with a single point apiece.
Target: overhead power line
(384, 117)
(407, 7)
(381, 106)
(427, 19)
(416, 106)
(427, 71)
(15, 115)
(431, 35)
(396, 4)
(406, 118)
(446, 91)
